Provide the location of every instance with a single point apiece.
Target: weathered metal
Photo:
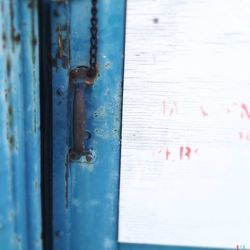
(20, 199)
(80, 78)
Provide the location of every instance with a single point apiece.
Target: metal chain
(93, 39)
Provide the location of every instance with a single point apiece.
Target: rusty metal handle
(80, 78)
(79, 122)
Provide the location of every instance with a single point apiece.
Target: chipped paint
(108, 243)
(62, 55)
(20, 146)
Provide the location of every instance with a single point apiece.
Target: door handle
(80, 78)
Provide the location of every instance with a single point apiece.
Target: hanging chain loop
(93, 39)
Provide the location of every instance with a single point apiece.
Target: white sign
(185, 161)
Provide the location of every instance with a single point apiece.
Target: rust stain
(83, 73)
(8, 67)
(6, 94)
(11, 140)
(12, 29)
(59, 42)
(10, 111)
(32, 4)
(4, 38)
(15, 37)
(62, 47)
(9, 120)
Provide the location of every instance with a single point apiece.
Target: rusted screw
(89, 156)
(73, 155)
(59, 91)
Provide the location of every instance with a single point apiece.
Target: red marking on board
(181, 153)
(187, 152)
(167, 154)
(244, 135)
(203, 112)
(245, 111)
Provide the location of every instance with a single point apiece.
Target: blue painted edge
(20, 213)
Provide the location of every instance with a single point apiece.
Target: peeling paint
(59, 42)
(100, 112)
(108, 243)
(20, 147)
(94, 203)
(11, 215)
(62, 46)
(32, 4)
(15, 37)
(11, 140)
(107, 65)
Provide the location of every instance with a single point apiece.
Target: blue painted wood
(20, 213)
(60, 69)
(86, 194)
(91, 188)
(95, 186)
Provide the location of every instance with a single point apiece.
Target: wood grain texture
(186, 123)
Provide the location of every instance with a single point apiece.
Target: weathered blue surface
(90, 219)
(20, 205)
(86, 194)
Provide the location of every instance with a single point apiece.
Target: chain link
(93, 39)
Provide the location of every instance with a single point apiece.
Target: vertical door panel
(20, 213)
(86, 193)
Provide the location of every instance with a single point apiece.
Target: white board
(185, 160)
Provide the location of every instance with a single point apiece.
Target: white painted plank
(185, 161)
